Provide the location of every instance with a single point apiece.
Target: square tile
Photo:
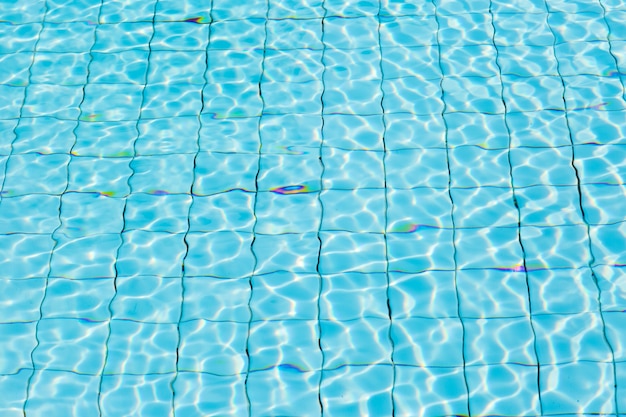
(238, 135)
(407, 131)
(352, 97)
(162, 174)
(277, 171)
(358, 390)
(279, 213)
(612, 285)
(231, 211)
(25, 255)
(83, 214)
(287, 97)
(589, 91)
(578, 388)
(16, 388)
(344, 65)
(21, 181)
(556, 247)
(418, 61)
(374, 346)
(532, 94)
(55, 37)
(239, 9)
(470, 61)
(616, 333)
(294, 34)
(71, 345)
(176, 67)
(464, 29)
(221, 254)
(297, 9)
(596, 127)
(500, 340)
(360, 210)
(352, 296)
(285, 344)
(471, 166)
(60, 101)
(360, 32)
(281, 391)
(603, 203)
(566, 291)
(62, 393)
(412, 95)
(44, 135)
(180, 36)
(354, 132)
(593, 58)
(488, 131)
(427, 342)
(286, 252)
(529, 166)
(26, 35)
(22, 299)
(175, 135)
(70, 254)
(430, 391)
(601, 164)
(190, 387)
(406, 169)
(157, 213)
(141, 348)
(527, 60)
(149, 299)
(111, 102)
(238, 34)
(505, 390)
(106, 176)
(218, 172)
(216, 299)
(218, 348)
(171, 100)
(285, 295)
(352, 252)
(120, 36)
(431, 294)
(607, 244)
(497, 248)
(418, 208)
(473, 94)
(341, 168)
(151, 253)
(426, 249)
(408, 31)
(35, 213)
(83, 299)
(578, 27)
(105, 139)
(60, 68)
(17, 345)
(492, 293)
(542, 128)
(121, 11)
(247, 66)
(483, 206)
(135, 395)
(523, 28)
(570, 338)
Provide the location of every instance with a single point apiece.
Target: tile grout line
(321, 204)
(518, 212)
(386, 215)
(449, 189)
(180, 321)
(256, 219)
(592, 259)
(117, 252)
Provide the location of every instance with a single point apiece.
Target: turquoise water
(312, 207)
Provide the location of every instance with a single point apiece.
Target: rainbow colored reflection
(199, 20)
(292, 189)
(411, 227)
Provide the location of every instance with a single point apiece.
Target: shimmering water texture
(312, 207)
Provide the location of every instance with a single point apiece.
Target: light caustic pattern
(321, 207)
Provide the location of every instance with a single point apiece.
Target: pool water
(312, 207)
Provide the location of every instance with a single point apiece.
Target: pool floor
(312, 207)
